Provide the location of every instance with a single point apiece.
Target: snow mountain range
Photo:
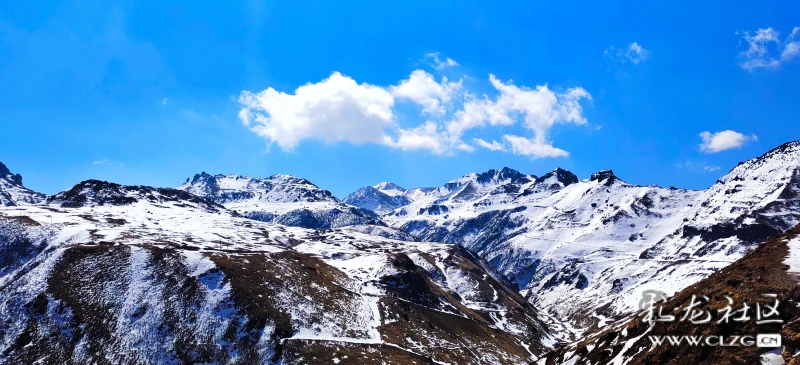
(108, 273)
(584, 251)
(498, 267)
(279, 199)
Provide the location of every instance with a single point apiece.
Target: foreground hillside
(761, 271)
(104, 273)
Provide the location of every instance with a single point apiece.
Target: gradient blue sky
(146, 92)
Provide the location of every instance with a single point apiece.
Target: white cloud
(423, 137)
(536, 147)
(762, 45)
(633, 53)
(332, 110)
(421, 88)
(792, 47)
(539, 108)
(165, 101)
(725, 140)
(440, 64)
(338, 109)
(697, 166)
(493, 146)
(107, 163)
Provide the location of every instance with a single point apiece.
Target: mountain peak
(787, 148)
(12, 192)
(6, 173)
(386, 185)
(198, 177)
(563, 176)
(98, 193)
(278, 188)
(604, 175)
(506, 173)
(4, 170)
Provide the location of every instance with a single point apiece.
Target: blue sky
(152, 93)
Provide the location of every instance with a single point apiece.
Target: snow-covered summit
(94, 193)
(279, 198)
(389, 198)
(758, 197)
(390, 188)
(278, 188)
(605, 176)
(377, 200)
(12, 192)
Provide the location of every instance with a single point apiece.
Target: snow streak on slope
(793, 259)
(280, 199)
(124, 274)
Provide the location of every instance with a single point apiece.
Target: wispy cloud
(724, 140)
(440, 64)
(633, 53)
(766, 50)
(493, 146)
(697, 166)
(105, 162)
(339, 109)
(165, 101)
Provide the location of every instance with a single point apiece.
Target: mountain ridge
(279, 198)
(579, 251)
(556, 240)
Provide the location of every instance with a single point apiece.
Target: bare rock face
(12, 192)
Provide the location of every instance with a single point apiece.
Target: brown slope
(759, 272)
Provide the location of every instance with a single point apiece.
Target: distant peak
(5, 172)
(198, 177)
(385, 185)
(563, 176)
(788, 147)
(289, 179)
(502, 174)
(786, 156)
(604, 175)
(281, 176)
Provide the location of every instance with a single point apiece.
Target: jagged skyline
(116, 92)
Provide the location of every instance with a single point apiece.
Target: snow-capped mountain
(583, 251)
(106, 273)
(280, 199)
(388, 198)
(381, 198)
(390, 188)
(12, 192)
(220, 271)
